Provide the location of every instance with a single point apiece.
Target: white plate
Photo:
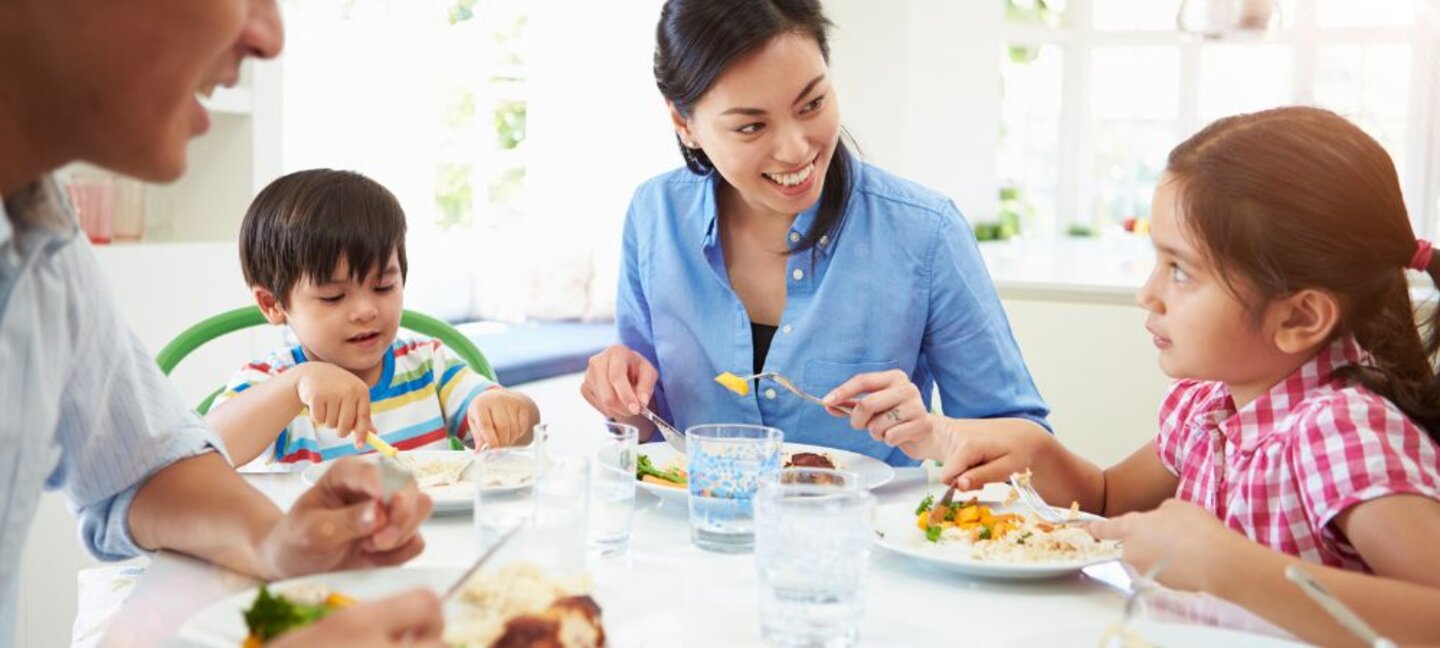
(450, 498)
(223, 624)
(1170, 635)
(895, 530)
(873, 472)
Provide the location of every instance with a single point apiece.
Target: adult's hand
(888, 406)
(412, 619)
(340, 523)
(619, 381)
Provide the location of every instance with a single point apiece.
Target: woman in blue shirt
(775, 249)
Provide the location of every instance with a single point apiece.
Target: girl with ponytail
(1304, 422)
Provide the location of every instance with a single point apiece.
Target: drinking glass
(612, 490)
(726, 465)
(812, 549)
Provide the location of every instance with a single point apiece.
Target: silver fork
(785, 382)
(1337, 610)
(1036, 503)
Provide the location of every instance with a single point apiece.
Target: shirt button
(798, 274)
(794, 237)
(770, 394)
(824, 239)
(786, 329)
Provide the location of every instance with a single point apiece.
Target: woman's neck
(747, 223)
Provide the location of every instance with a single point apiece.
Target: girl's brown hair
(1295, 198)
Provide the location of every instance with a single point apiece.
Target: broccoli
(932, 533)
(925, 504)
(644, 467)
(986, 532)
(271, 615)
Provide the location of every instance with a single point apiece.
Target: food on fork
(734, 383)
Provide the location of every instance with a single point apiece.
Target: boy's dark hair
(1292, 198)
(302, 224)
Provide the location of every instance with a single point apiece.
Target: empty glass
(612, 490)
(504, 490)
(812, 549)
(726, 465)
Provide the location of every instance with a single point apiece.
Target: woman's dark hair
(696, 40)
(302, 224)
(1294, 198)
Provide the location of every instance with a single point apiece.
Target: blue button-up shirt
(83, 408)
(900, 285)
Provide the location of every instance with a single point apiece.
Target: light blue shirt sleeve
(632, 311)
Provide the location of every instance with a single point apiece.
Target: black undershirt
(762, 334)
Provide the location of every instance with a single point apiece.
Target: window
(1097, 92)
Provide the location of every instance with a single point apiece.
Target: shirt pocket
(819, 427)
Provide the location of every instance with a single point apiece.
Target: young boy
(324, 252)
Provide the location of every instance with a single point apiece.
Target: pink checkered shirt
(1284, 467)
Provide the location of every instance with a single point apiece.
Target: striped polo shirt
(419, 403)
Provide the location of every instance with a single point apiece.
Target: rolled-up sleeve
(120, 419)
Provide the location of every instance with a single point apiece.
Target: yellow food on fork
(380, 445)
(734, 383)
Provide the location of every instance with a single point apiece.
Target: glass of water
(612, 490)
(504, 490)
(726, 465)
(812, 549)
(556, 536)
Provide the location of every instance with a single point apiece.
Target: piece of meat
(809, 460)
(570, 622)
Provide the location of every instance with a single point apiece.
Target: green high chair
(248, 316)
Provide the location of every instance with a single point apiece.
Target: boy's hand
(500, 417)
(337, 399)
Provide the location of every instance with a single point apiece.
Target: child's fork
(1036, 503)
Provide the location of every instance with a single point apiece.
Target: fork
(1036, 503)
(1337, 610)
(785, 382)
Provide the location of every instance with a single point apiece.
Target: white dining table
(681, 595)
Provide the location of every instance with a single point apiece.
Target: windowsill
(1102, 270)
(1107, 269)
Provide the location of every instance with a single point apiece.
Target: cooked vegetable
(272, 615)
(925, 504)
(734, 383)
(644, 467)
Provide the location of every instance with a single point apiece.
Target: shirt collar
(39, 205)
(710, 207)
(1258, 420)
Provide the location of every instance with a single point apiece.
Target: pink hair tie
(1423, 252)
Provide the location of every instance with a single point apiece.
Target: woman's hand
(888, 406)
(618, 382)
(1193, 545)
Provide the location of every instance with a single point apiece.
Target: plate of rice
(437, 473)
(989, 539)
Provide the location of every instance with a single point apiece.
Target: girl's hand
(618, 381)
(337, 399)
(976, 456)
(500, 417)
(888, 406)
(1194, 545)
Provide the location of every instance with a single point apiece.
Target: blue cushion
(532, 351)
